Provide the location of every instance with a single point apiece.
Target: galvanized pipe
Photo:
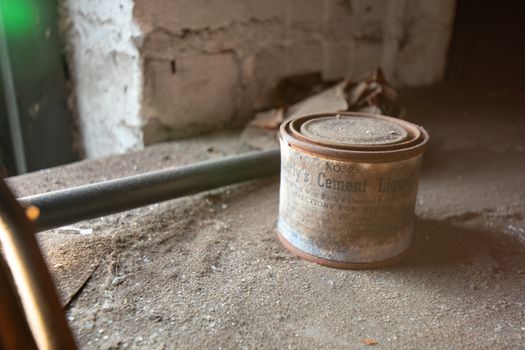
(71, 205)
(35, 288)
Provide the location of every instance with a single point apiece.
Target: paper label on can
(347, 211)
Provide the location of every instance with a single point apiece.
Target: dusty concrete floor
(206, 271)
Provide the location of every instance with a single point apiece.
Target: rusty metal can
(348, 188)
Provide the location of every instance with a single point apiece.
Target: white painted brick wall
(106, 69)
(149, 70)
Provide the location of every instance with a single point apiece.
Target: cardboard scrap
(371, 94)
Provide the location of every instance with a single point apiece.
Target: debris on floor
(369, 94)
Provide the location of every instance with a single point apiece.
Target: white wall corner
(106, 69)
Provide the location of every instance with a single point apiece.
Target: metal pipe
(14, 330)
(64, 207)
(37, 293)
(10, 100)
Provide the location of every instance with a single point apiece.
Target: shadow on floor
(439, 244)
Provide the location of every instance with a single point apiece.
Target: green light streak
(19, 17)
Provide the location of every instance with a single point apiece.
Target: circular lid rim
(404, 150)
(303, 130)
(412, 130)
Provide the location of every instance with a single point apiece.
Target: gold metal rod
(37, 293)
(14, 330)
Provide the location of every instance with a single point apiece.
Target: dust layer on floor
(206, 271)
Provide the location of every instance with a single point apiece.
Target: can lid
(361, 137)
(347, 130)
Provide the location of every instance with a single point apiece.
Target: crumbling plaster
(149, 70)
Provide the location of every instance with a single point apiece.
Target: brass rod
(14, 330)
(37, 293)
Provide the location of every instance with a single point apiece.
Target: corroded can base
(341, 264)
